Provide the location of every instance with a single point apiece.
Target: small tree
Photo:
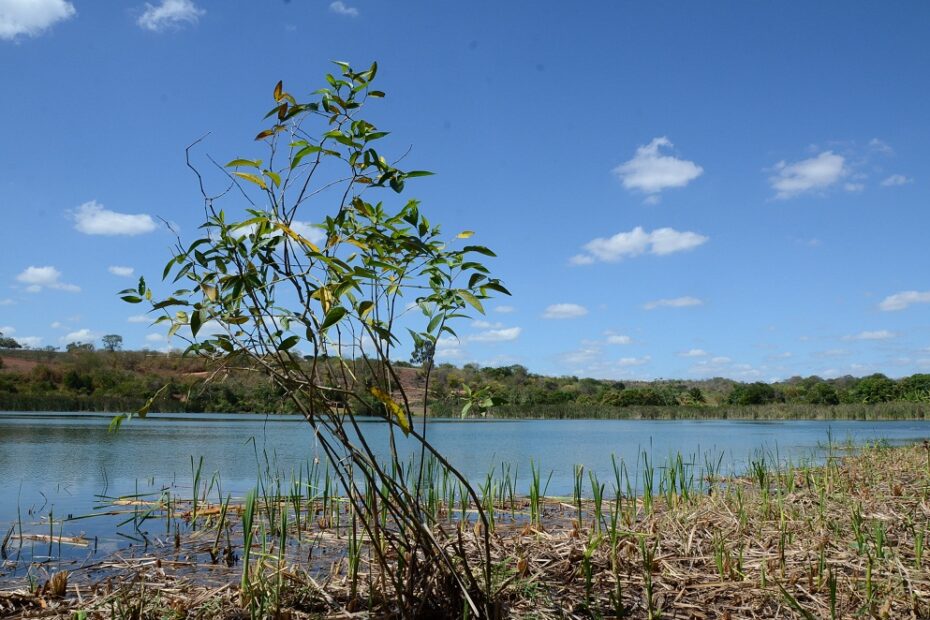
(80, 347)
(423, 352)
(875, 388)
(112, 342)
(8, 343)
(273, 285)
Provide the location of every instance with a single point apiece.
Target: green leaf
(251, 177)
(131, 299)
(497, 286)
(480, 249)
(116, 422)
(144, 411)
(418, 173)
(274, 176)
(333, 316)
(252, 163)
(472, 300)
(364, 308)
(195, 323)
(288, 343)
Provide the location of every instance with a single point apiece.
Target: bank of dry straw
(843, 539)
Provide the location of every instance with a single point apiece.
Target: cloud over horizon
(881, 334)
(341, 8)
(902, 300)
(650, 171)
(564, 311)
(806, 175)
(659, 242)
(47, 277)
(91, 218)
(31, 18)
(170, 14)
(674, 302)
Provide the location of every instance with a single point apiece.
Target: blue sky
(673, 189)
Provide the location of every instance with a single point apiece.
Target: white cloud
(155, 337)
(582, 356)
(815, 173)
(7, 330)
(693, 353)
(896, 180)
(675, 302)
(564, 311)
(309, 232)
(668, 241)
(169, 14)
(139, 318)
(448, 348)
(881, 334)
(6, 302)
(116, 270)
(92, 219)
(633, 361)
(881, 146)
(82, 335)
(900, 301)
(581, 259)
(650, 171)
(38, 278)
(341, 8)
(618, 339)
(724, 367)
(480, 324)
(497, 335)
(853, 187)
(660, 242)
(31, 17)
(504, 309)
(30, 342)
(833, 353)
(57, 325)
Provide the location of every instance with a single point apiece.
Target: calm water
(61, 463)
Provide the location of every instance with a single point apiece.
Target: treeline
(516, 386)
(85, 380)
(115, 381)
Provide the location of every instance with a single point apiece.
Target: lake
(61, 463)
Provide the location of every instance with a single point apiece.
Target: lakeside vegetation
(83, 379)
(670, 539)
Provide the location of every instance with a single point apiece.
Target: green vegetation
(84, 380)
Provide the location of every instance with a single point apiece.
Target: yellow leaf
(251, 177)
(293, 235)
(209, 291)
(325, 297)
(396, 410)
(357, 244)
(465, 234)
